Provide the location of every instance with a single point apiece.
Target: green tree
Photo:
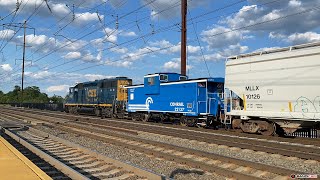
(56, 99)
(31, 94)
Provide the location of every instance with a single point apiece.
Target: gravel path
(161, 166)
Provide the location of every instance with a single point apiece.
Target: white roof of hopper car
(276, 50)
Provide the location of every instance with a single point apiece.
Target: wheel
(269, 130)
(163, 118)
(183, 121)
(146, 117)
(134, 117)
(97, 112)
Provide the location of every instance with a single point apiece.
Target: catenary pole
(183, 37)
(23, 58)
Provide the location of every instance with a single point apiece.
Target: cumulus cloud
(6, 67)
(73, 55)
(253, 14)
(58, 9)
(174, 65)
(57, 77)
(173, 48)
(93, 77)
(297, 38)
(128, 34)
(166, 9)
(6, 34)
(85, 18)
(119, 50)
(222, 54)
(58, 88)
(219, 37)
(125, 64)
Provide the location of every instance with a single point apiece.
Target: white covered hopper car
(274, 90)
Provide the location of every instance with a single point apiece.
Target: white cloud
(222, 54)
(294, 3)
(173, 48)
(6, 67)
(87, 17)
(250, 15)
(111, 35)
(219, 37)
(6, 34)
(266, 49)
(58, 88)
(39, 75)
(72, 55)
(58, 9)
(57, 77)
(174, 65)
(128, 34)
(297, 38)
(166, 9)
(125, 64)
(93, 77)
(119, 50)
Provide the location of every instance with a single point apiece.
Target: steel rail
(56, 163)
(265, 146)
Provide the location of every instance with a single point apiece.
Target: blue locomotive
(170, 96)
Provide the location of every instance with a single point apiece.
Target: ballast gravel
(168, 168)
(276, 160)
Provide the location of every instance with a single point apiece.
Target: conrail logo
(176, 104)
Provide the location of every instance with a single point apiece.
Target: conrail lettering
(252, 88)
(176, 104)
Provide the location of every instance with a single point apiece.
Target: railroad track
(221, 132)
(50, 170)
(284, 148)
(73, 160)
(206, 161)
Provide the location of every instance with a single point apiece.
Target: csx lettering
(176, 104)
(252, 88)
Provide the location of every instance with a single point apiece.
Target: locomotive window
(183, 78)
(151, 81)
(164, 77)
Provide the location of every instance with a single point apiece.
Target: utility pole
(25, 27)
(23, 56)
(183, 37)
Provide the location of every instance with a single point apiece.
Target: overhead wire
(259, 23)
(235, 29)
(196, 34)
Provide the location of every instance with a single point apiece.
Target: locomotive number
(253, 96)
(178, 109)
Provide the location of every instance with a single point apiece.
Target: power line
(236, 29)
(203, 57)
(127, 24)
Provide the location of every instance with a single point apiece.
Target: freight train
(162, 97)
(267, 92)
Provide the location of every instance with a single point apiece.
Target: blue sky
(82, 40)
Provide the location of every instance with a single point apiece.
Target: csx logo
(92, 93)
